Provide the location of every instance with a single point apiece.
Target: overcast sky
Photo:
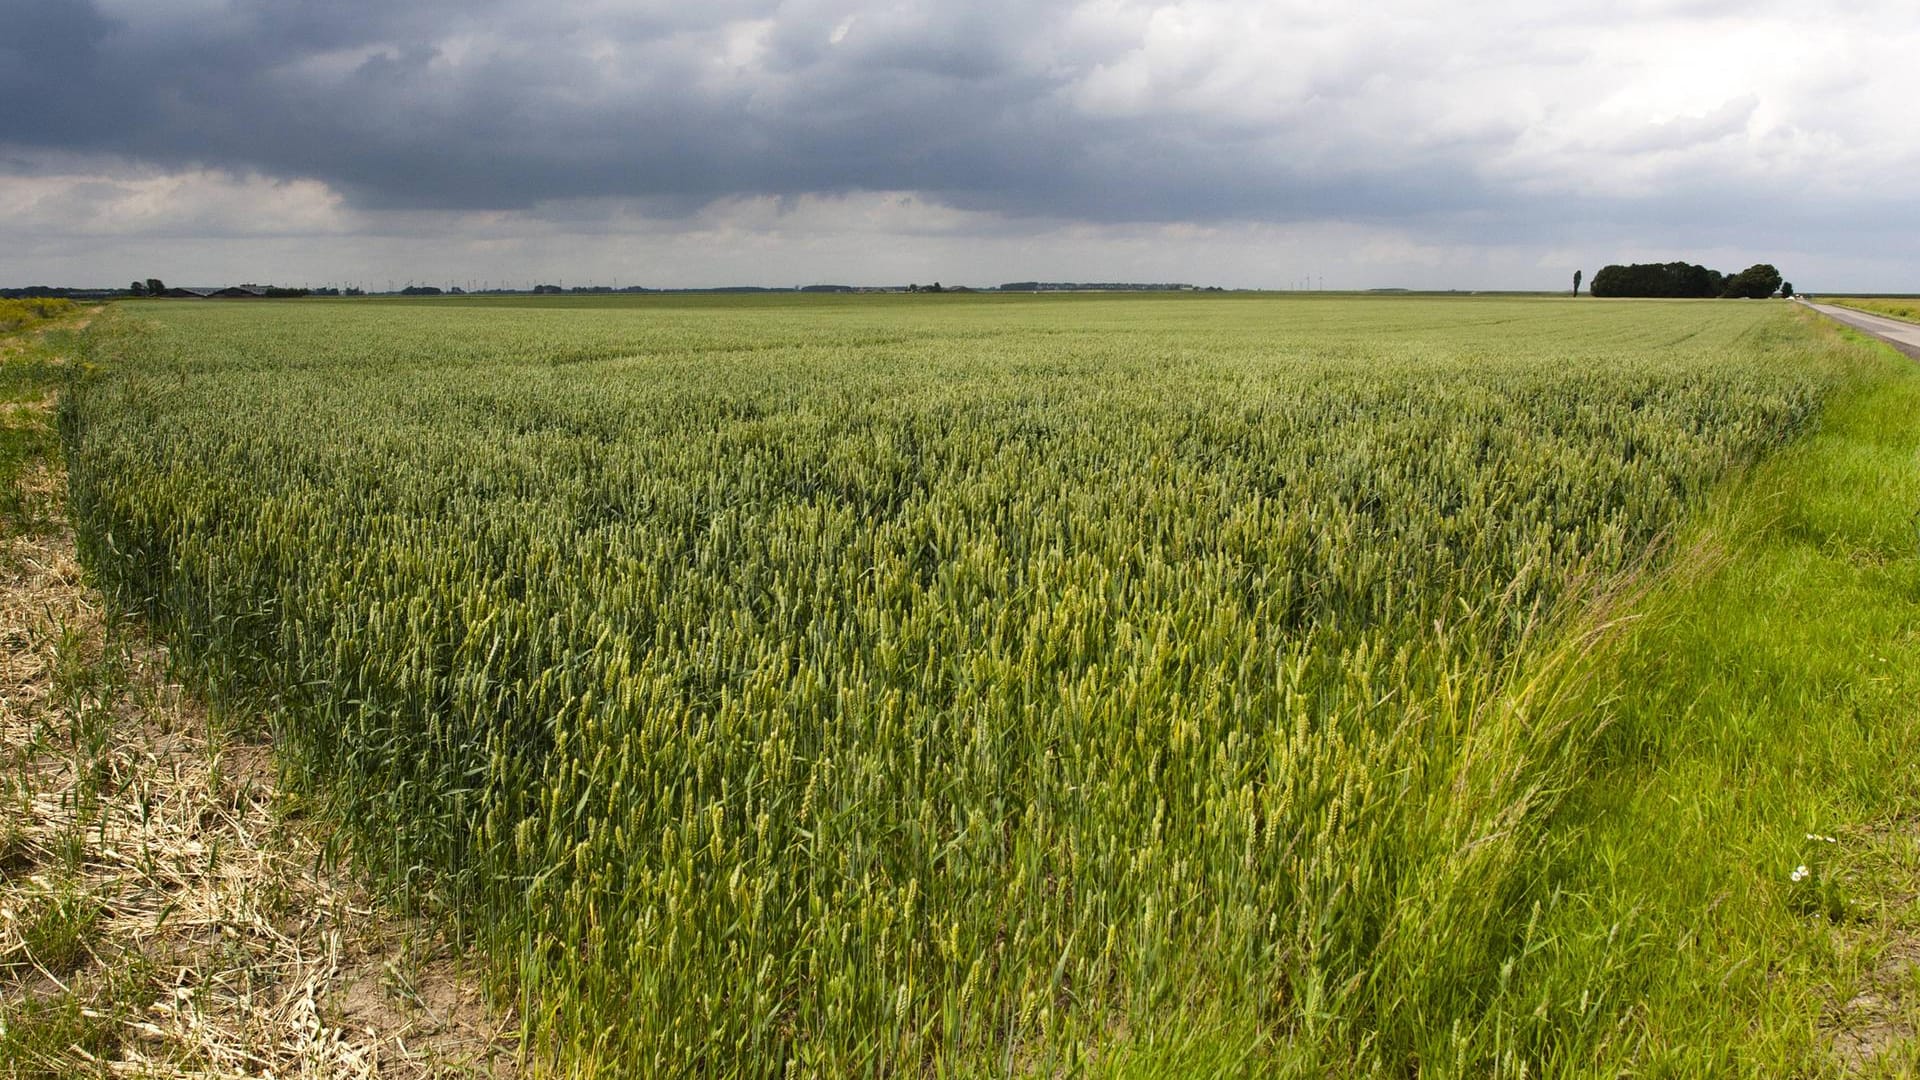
(1475, 144)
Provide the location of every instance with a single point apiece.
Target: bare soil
(1876, 1017)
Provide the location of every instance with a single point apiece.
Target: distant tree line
(156, 287)
(1685, 280)
(58, 292)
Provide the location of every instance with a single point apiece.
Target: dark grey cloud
(1651, 125)
(505, 105)
(49, 67)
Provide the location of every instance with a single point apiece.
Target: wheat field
(933, 686)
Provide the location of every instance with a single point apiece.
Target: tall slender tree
(1576, 281)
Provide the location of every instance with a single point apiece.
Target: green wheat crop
(926, 687)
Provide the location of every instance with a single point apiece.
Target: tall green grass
(1007, 685)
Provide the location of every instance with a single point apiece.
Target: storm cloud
(1494, 127)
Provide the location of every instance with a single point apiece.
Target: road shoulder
(1903, 336)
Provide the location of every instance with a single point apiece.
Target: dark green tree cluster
(1684, 280)
(1756, 282)
(1676, 279)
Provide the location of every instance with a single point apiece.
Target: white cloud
(146, 203)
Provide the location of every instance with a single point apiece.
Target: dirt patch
(1874, 1029)
(160, 914)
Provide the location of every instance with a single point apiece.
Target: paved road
(1904, 336)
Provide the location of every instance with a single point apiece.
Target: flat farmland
(964, 685)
